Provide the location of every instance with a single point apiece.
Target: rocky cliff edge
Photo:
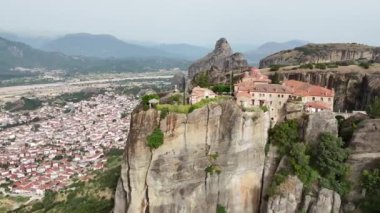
(173, 178)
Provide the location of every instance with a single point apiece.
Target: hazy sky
(199, 21)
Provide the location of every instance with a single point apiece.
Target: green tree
(373, 109)
(275, 78)
(221, 88)
(299, 162)
(371, 183)
(202, 80)
(176, 99)
(49, 199)
(220, 209)
(146, 98)
(155, 139)
(283, 135)
(328, 159)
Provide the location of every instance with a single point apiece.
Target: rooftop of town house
(199, 91)
(255, 76)
(243, 94)
(49, 133)
(317, 105)
(266, 88)
(305, 89)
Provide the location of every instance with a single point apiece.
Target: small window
(278, 95)
(321, 99)
(282, 96)
(313, 98)
(270, 95)
(280, 102)
(329, 99)
(270, 102)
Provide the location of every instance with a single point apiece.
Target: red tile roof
(249, 86)
(317, 105)
(272, 88)
(305, 89)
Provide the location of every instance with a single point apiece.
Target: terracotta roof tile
(305, 89)
(317, 105)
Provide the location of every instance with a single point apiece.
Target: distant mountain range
(108, 46)
(16, 54)
(33, 41)
(100, 46)
(254, 56)
(186, 51)
(88, 52)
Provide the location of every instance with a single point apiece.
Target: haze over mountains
(254, 56)
(18, 59)
(84, 52)
(108, 46)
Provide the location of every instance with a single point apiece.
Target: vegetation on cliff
(322, 164)
(374, 109)
(202, 79)
(371, 184)
(328, 158)
(187, 108)
(156, 139)
(213, 167)
(146, 98)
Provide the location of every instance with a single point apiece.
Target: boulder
(320, 122)
(289, 197)
(328, 201)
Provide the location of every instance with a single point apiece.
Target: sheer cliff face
(354, 90)
(365, 154)
(172, 178)
(322, 53)
(221, 59)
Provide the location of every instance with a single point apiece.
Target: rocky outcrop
(364, 154)
(328, 201)
(270, 167)
(322, 53)
(294, 109)
(179, 81)
(354, 87)
(173, 178)
(221, 60)
(320, 122)
(289, 197)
